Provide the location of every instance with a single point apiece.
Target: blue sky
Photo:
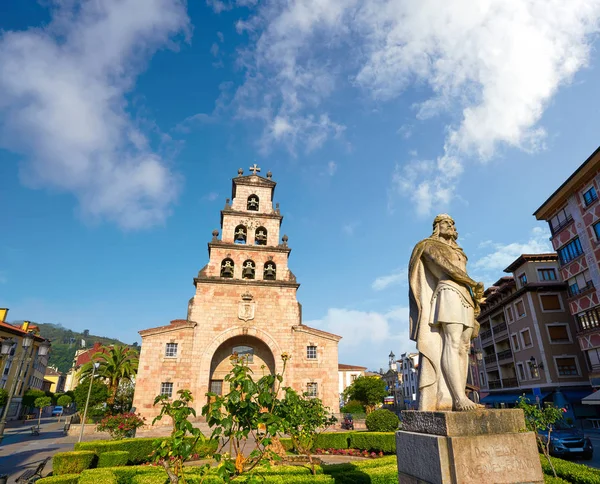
(122, 123)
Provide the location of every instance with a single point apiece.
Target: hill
(66, 342)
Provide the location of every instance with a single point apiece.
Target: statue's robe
(428, 269)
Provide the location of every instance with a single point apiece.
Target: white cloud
(214, 49)
(331, 168)
(400, 276)
(493, 64)
(503, 254)
(380, 332)
(211, 197)
(63, 106)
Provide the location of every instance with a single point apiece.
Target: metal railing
(487, 334)
(490, 359)
(494, 384)
(504, 355)
(500, 328)
(509, 382)
(560, 226)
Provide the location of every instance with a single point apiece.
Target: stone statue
(444, 302)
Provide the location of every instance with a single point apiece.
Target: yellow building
(54, 380)
(23, 360)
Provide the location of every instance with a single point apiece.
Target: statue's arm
(435, 257)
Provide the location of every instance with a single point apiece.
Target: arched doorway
(254, 350)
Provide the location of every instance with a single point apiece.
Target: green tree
(98, 396)
(541, 422)
(368, 390)
(30, 396)
(64, 400)
(304, 418)
(41, 403)
(171, 453)
(117, 364)
(3, 397)
(353, 406)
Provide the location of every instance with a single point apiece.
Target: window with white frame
(523, 279)
(580, 283)
(520, 309)
(547, 274)
(559, 333)
(590, 196)
(550, 302)
(311, 352)
(561, 219)
(312, 389)
(171, 350)
(166, 389)
(526, 338)
(515, 342)
(521, 370)
(566, 365)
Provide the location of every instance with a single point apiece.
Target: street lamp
(94, 368)
(27, 342)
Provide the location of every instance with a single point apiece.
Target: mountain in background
(66, 342)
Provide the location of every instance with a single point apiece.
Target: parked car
(57, 411)
(566, 440)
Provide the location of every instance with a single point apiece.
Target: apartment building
(408, 368)
(527, 338)
(573, 214)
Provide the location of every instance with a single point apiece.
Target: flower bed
(350, 452)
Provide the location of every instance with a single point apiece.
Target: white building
(408, 366)
(347, 374)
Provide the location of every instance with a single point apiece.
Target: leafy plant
(382, 420)
(540, 421)
(41, 403)
(98, 396)
(121, 425)
(353, 406)
(3, 397)
(245, 414)
(64, 400)
(30, 396)
(368, 390)
(171, 453)
(304, 418)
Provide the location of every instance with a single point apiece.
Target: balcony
(561, 225)
(509, 382)
(574, 290)
(494, 384)
(490, 359)
(504, 355)
(500, 328)
(487, 334)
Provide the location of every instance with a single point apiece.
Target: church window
(245, 352)
(311, 352)
(249, 270)
(240, 235)
(270, 271)
(216, 387)
(166, 389)
(227, 268)
(253, 203)
(171, 350)
(312, 389)
(260, 237)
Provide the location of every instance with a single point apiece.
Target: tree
(64, 400)
(3, 397)
(303, 419)
(98, 395)
(171, 453)
(540, 421)
(368, 390)
(30, 396)
(41, 403)
(117, 364)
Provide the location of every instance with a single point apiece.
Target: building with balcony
(573, 214)
(527, 338)
(408, 368)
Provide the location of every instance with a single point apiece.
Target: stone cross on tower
(254, 169)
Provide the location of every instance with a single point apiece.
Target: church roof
(316, 332)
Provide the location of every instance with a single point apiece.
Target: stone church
(245, 303)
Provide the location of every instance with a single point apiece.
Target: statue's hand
(478, 292)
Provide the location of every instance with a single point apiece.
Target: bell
(240, 235)
(261, 238)
(252, 204)
(248, 272)
(269, 273)
(227, 270)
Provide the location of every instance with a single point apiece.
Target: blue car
(566, 441)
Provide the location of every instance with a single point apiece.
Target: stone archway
(258, 354)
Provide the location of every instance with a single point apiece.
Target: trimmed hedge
(554, 480)
(570, 471)
(64, 479)
(288, 445)
(116, 458)
(332, 440)
(73, 462)
(98, 476)
(374, 441)
(382, 420)
(140, 449)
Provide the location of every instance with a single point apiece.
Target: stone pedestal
(482, 446)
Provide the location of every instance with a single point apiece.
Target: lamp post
(87, 401)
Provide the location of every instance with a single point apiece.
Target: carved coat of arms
(246, 307)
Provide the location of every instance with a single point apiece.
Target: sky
(122, 123)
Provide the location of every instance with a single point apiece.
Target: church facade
(245, 303)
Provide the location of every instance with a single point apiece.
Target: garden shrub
(115, 458)
(72, 462)
(98, 476)
(287, 444)
(354, 407)
(382, 420)
(571, 472)
(554, 480)
(374, 441)
(63, 479)
(332, 440)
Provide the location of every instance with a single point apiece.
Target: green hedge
(332, 440)
(374, 441)
(570, 471)
(288, 445)
(382, 420)
(64, 479)
(376, 471)
(140, 449)
(73, 462)
(98, 476)
(554, 480)
(115, 458)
